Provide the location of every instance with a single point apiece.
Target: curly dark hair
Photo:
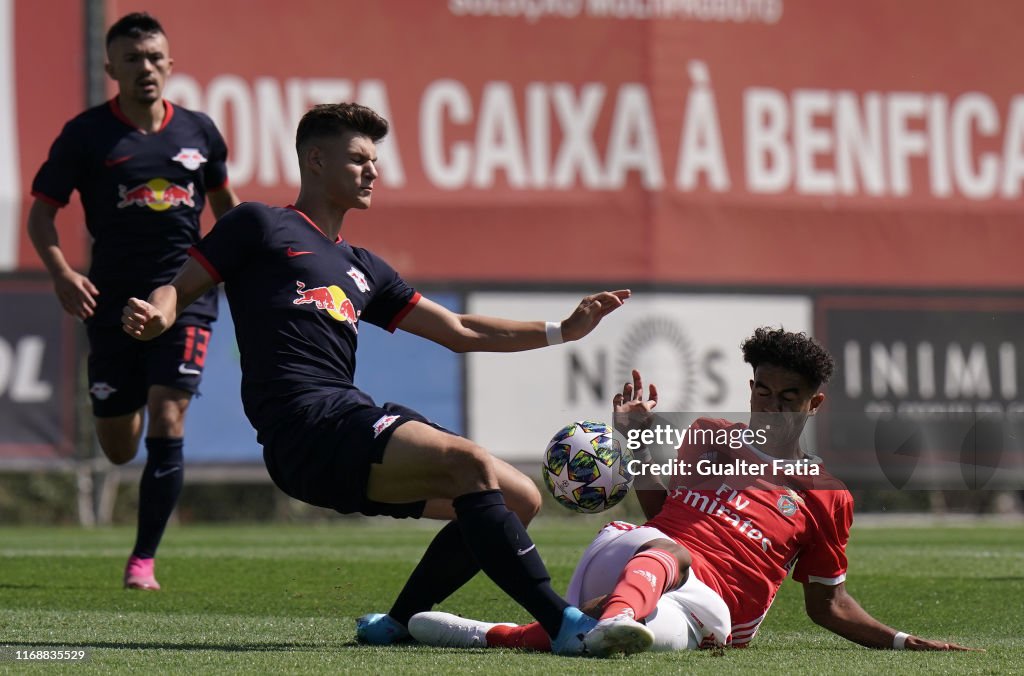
(329, 119)
(796, 352)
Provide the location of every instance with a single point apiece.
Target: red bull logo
(330, 299)
(158, 194)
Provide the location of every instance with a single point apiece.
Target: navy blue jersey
(296, 299)
(142, 193)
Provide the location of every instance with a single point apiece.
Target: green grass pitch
(283, 599)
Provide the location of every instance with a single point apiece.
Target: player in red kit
(705, 568)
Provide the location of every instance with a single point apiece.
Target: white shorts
(686, 618)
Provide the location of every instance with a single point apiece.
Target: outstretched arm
(147, 319)
(480, 333)
(832, 607)
(634, 413)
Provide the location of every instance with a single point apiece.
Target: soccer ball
(585, 467)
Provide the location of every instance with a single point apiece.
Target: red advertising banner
(47, 68)
(789, 142)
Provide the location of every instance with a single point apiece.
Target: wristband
(554, 333)
(899, 641)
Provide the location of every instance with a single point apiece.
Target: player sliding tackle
(297, 293)
(703, 571)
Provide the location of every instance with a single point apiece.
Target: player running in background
(704, 570)
(144, 169)
(298, 292)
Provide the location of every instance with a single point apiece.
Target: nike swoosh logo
(523, 552)
(292, 252)
(186, 371)
(161, 473)
(116, 161)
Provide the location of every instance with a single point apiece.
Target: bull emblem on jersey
(190, 158)
(330, 299)
(320, 295)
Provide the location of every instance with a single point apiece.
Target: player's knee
(533, 504)
(166, 421)
(523, 499)
(118, 439)
(680, 553)
(468, 467)
(118, 452)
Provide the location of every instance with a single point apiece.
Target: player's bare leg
(119, 436)
(162, 480)
(422, 463)
(658, 566)
(521, 495)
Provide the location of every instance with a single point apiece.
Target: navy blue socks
(159, 489)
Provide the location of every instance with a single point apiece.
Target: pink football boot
(138, 574)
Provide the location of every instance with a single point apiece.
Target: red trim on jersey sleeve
(220, 187)
(115, 108)
(43, 197)
(404, 311)
(207, 265)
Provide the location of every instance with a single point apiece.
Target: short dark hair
(134, 25)
(795, 352)
(334, 119)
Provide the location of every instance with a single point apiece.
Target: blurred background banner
(37, 375)
(782, 162)
(688, 344)
(939, 375)
(780, 141)
(42, 86)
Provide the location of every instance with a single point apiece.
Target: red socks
(645, 578)
(527, 637)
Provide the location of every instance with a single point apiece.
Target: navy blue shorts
(122, 369)
(325, 460)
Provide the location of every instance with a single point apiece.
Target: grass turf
(283, 599)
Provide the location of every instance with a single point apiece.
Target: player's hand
(915, 643)
(631, 399)
(142, 320)
(591, 311)
(77, 295)
(631, 411)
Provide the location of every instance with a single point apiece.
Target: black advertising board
(37, 373)
(927, 393)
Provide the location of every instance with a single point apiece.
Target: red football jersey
(748, 519)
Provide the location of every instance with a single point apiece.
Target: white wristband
(554, 332)
(899, 641)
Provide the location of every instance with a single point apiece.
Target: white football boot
(619, 634)
(445, 630)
